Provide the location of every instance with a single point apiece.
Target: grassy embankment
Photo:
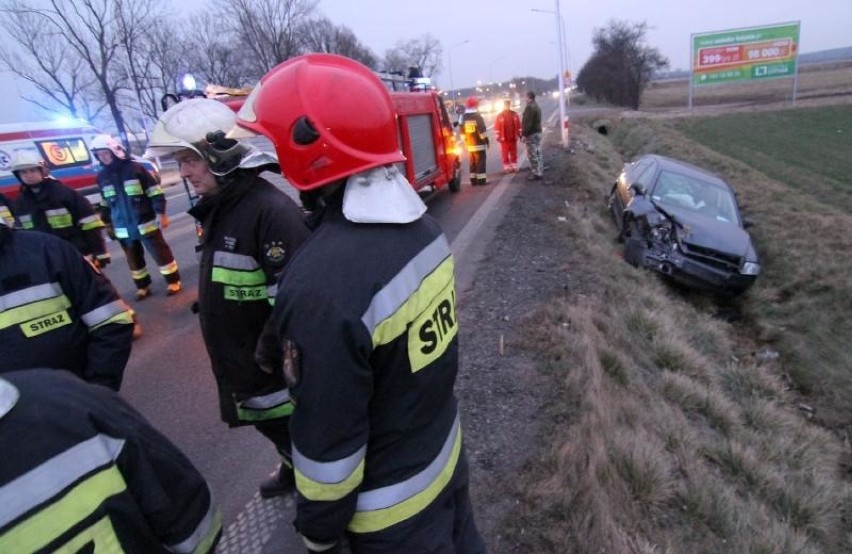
(671, 435)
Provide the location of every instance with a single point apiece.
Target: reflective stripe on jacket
(98, 479)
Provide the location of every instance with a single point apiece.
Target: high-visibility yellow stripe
(169, 268)
(45, 526)
(124, 318)
(429, 289)
(154, 191)
(376, 520)
(238, 278)
(133, 187)
(33, 310)
(314, 490)
(101, 536)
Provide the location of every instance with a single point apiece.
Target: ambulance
(66, 150)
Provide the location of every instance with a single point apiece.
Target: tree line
(113, 60)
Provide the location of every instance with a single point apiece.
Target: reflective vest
(56, 209)
(367, 315)
(474, 131)
(131, 199)
(251, 229)
(81, 471)
(58, 311)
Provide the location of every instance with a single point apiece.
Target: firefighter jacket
(132, 199)
(251, 229)
(474, 131)
(507, 126)
(58, 311)
(51, 207)
(7, 218)
(532, 119)
(366, 314)
(89, 474)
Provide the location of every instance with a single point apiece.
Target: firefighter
(133, 204)
(366, 319)
(58, 310)
(507, 130)
(251, 230)
(81, 471)
(476, 139)
(7, 217)
(46, 205)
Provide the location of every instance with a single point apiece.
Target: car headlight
(750, 268)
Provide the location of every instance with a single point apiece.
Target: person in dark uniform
(47, 205)
(57, 310)
(366, 320)
(251, 231)
(81, 471)
(134, 210)
(476, 139)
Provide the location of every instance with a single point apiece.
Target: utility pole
(561, 79)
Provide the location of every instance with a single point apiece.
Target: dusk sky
(507, 38)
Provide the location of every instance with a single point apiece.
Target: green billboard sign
(745, 54)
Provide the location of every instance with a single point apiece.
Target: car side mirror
(747, 223)
(637, 189)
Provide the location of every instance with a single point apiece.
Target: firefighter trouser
(447, 525)
(156, 246)
(278, 431)
(534, 153)
(509, 150)
(477, 166)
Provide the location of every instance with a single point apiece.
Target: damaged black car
(683, 222)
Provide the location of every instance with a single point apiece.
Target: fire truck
(427, 134)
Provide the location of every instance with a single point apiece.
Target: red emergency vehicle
(427, 135)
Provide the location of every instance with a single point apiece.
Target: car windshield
(703, 197)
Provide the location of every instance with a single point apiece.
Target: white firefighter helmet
(200, 125)
(26, 159)
(107, 142)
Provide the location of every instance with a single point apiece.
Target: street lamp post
(450, 65)
(561, 76)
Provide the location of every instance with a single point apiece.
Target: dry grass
(670, 436)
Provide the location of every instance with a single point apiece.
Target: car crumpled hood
(708, 232)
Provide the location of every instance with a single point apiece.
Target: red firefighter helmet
(328, 116)
(472, 102)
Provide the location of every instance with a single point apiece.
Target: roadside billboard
(745, 54)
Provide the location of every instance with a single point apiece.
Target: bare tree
(621, 65)
(269, 29)
(89, 29)
(321, 35)
(41, 58)
(137, 28)
(210, 52)
(424, 52)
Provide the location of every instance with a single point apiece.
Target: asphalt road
(168, 378)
